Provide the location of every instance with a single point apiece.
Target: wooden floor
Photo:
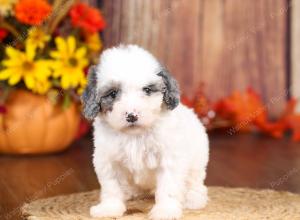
(235, 161)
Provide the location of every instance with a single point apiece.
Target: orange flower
(32, 12)
(87, 18)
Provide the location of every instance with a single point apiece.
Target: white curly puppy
(145, 139)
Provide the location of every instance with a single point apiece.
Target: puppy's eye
(112, 94)
(147, 90)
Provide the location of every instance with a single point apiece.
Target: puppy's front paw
(196, 202)
(168, 210)
(111, 208)
(196, 199)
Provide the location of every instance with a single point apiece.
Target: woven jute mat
(224, 204)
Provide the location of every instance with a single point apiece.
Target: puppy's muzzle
(131, 117)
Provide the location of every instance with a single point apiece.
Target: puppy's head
(129, 89)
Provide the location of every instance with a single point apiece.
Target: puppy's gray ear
(89, 98)
(171, 90)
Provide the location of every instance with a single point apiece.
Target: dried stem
(61, 9)
(11, 29)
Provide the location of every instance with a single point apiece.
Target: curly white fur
(165, 151)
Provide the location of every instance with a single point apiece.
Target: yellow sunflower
(69, 63)
(93, 42)
(6, 7)
(37, 37)
(22, 66)
(41, 86)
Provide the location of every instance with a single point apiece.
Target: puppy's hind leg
(196, 195)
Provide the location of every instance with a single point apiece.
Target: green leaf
(56, 82)
(67, 101)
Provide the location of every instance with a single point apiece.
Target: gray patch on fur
(171, 93)
(107, 102)
(154, 87)
(89, 98)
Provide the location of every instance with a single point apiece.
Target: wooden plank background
(295, 49)
(226, 44)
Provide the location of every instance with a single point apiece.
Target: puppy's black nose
(131, 117)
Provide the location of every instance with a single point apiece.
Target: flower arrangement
(46, 47)
(244, 112)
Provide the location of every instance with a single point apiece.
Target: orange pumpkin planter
(33, 125)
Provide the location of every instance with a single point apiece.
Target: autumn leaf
(243, 109)
(187, 101)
